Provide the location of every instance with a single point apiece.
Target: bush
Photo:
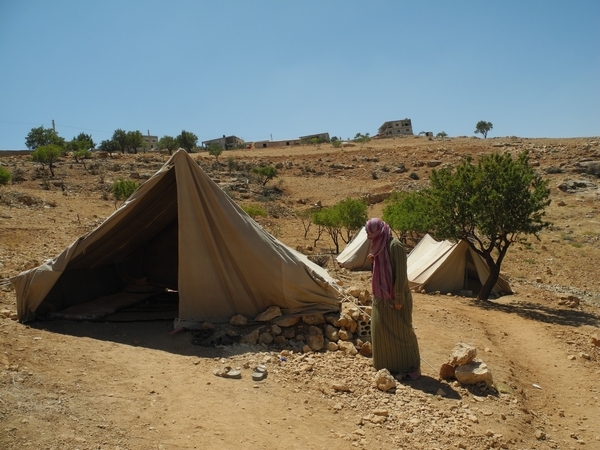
(4, 176)
(122, 189)
(265, 173)
(254, 211)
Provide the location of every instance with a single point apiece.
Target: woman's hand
(397, 307)
(370, 257)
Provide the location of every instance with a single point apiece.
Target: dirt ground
(138, 385)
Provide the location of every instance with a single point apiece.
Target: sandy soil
(135, 385)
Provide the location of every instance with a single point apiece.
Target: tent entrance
(472, 285)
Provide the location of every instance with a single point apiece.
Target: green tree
(122, 190)
(335, 142)
(265, 174)
(441, 134)
(342, 220)
(407, 213)
(352, 215)
(120, 138)
(328, 219)
(40, 136)
(80, 146)
(169, 143)
(47, 154)
(483, 128)
(187, 140)
(86, 141)
(362, 139)
(215, 150)
(4, 176)
(109, 146)
(134, 140)
(489, 205)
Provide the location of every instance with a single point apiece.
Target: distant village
(388, 129)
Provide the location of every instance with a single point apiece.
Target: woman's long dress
(393, 339)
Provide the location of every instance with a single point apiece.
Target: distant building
(151, 141)
(284, 143)
(322, 137)
(396, 128)
(225, 142)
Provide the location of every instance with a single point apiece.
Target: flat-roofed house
(225, 142)
(396, 128)
(151, 141)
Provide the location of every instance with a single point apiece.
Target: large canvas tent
(449, 267)
(179, 231)
(354, 255)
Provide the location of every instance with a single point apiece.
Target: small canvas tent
(449, 267)
(354, 256)
(180, 231)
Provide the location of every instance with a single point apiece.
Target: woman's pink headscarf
(383, 281)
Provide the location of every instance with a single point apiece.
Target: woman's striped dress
(393, 339)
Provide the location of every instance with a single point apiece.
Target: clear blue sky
(257, 69)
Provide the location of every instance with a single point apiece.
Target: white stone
(347, 347)
(384, 381)
(474, 372)
(462, 354)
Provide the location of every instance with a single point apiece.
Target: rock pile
(347, 331)
(465, 368)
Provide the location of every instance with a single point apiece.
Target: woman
(393, 339)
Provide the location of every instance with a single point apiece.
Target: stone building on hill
(396, 128)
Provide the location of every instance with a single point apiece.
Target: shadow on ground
(542, 313)
(155, 334)
(432, 386)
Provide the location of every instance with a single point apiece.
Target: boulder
(462, 354)
(347, 347)
(313, 319)
(269, 314)
(265, 338)
(251, 338)
(286, 322)
(238, 320)
(315, 331)
(366, 349)
(331, 346)
(332, 333)
(384, 381)
(315, 342)
(595, 340)
(347, 322)
(474, 372)
(345, 335)
(447, 372)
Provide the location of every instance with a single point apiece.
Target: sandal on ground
(227, 372)
(260, 373)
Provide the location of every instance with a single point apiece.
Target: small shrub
(4, 176)
(122, 189)
(254, 210)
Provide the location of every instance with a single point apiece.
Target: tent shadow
(431, 386)
(541, 313)
(155, 335)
